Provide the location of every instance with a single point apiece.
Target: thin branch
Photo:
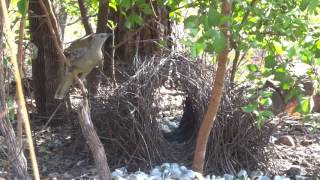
(102, 16)
(112, 59)
(56, 40)
(79, 19)
(247, 13)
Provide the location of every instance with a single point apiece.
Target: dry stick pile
(126, 120)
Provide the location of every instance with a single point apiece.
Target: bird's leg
(82, 86)
(83, 77)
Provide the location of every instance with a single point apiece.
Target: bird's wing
(73, 54)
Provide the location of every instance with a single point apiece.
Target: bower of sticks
(128, 120)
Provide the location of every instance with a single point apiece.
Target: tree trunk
(46, 68)
(234, 66)
(93, 78)
(136, 42)
(62, 18)
(16, 156)
(207, 122)
(84, 17)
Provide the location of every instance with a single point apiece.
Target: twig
(154, 12)
(53, 33)
(112, 59)
(79, 19)
(51, 117)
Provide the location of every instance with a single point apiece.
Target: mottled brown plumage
(83, 55)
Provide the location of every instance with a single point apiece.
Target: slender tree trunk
(207, 123)
(102, 16)
(93, 78)
(234, 66)
(38, 37)
(84, 17)
(138, 42)
(62, 17)
(16, 155)
(93, 141)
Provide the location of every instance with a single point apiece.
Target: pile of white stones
(173, 171)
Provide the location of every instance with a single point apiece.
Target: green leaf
(13, 3)
(214, 17)
(111, 24)
(253, 68)
(146, 8)
(292, 52)
(305, 105)
(219, 42)
(133, 20)
(22, 7)
(250, 108)
(198, 49)
(126, 4)
(285, 85)
(281, 69)
(280, 76)
(278, 48)
(265, 101)
(291, 94)
(313, 5)
(304, 4)
(113, 5)
(266, 114)
(191, 22)
(266, 94)
(270, 62)
(318, 44)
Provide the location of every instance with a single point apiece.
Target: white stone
(155, 172)
(189, 174)
(228, 177)
(277, 178)
(242, 173)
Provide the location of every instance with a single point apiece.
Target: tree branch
(54, 34)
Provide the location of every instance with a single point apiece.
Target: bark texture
(94, 142)
(84, 17)
(207, 122)
(142, 41)
(93, 78)
(46, 66)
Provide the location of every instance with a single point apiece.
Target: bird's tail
(64, 86)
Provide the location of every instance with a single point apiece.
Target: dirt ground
(303, 149)
(58, 158)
